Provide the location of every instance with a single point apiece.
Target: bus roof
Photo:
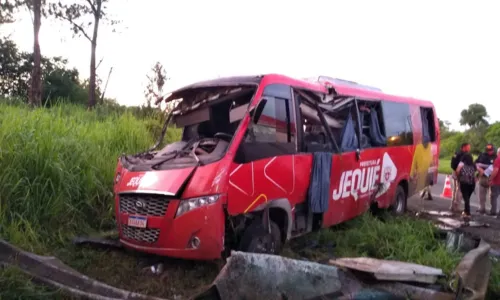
(321, 84)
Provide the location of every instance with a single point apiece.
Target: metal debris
(473, 273)
(389, 270)
(264, 276)
(98, 241)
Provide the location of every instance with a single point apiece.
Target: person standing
(483, 161)
(494, 181)
(455, 160)
(466, 173)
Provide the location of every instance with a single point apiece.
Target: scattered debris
(388, 270)
(263, 276)
(98, 241)
(457, 224)
(473, 272)
(157, 269)
(436, 213)
(456, 241)
(55, 273)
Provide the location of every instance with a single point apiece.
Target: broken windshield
(208, 120)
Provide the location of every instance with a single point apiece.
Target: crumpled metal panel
(264, 276)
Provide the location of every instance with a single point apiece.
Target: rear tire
(257, 239)
(398, 206)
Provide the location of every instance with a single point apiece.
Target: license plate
(139, 222)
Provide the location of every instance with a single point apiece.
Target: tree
(156, 81)
(444, 126)
(81, 16)
(59, 82)
(35, 98)
(475, 115)
(7, 10)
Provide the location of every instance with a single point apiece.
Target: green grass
(444, 166)
(57, 173)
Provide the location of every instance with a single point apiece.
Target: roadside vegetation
(479, 131)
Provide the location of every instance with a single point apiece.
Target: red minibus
(264, 159)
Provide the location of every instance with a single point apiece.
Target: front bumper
(167, 235)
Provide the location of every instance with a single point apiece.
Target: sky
(444, 51)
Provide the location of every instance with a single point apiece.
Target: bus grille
(144, 204)
(147, 235)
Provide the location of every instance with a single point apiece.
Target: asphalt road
(437, 189)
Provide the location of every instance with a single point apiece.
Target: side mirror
(256, 112)
(358, 154)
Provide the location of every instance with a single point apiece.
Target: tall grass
(56, 170)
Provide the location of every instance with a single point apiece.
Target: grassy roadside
(444, 165)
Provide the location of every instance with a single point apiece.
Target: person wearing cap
(484, 161)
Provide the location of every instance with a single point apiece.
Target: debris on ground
(264, 276)
(53, 272)
(389, 270)
(98, 241)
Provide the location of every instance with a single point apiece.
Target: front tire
(398, 206)
(257, 239)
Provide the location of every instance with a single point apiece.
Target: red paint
(246, 186)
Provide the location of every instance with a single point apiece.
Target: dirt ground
(490, 233)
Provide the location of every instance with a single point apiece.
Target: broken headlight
(194, 203)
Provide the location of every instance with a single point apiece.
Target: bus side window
(397, 120)
(273, 134)
(428, 126)
(372, 127)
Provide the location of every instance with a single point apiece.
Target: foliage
(478, 134)
(81, 17)
(493, 134)
(475, 115)
(451, 144)
(59, 82)
(7, 10)
(156, 81)
(58, 170)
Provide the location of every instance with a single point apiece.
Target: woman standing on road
(466, 171)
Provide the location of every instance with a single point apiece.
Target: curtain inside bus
(319, 187)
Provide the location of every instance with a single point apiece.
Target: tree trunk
(92, 83)
(35, 97)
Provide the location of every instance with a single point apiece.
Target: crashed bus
(264, 159)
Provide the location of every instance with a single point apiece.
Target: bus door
(322, 130)
(359, 173)
(386, 146)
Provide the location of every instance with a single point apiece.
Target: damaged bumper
(197, 234)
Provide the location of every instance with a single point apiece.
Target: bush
(450, 145)
(57, 170)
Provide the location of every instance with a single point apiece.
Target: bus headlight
(194, 203)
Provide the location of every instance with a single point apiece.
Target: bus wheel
(399, 204)
(257, 239)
